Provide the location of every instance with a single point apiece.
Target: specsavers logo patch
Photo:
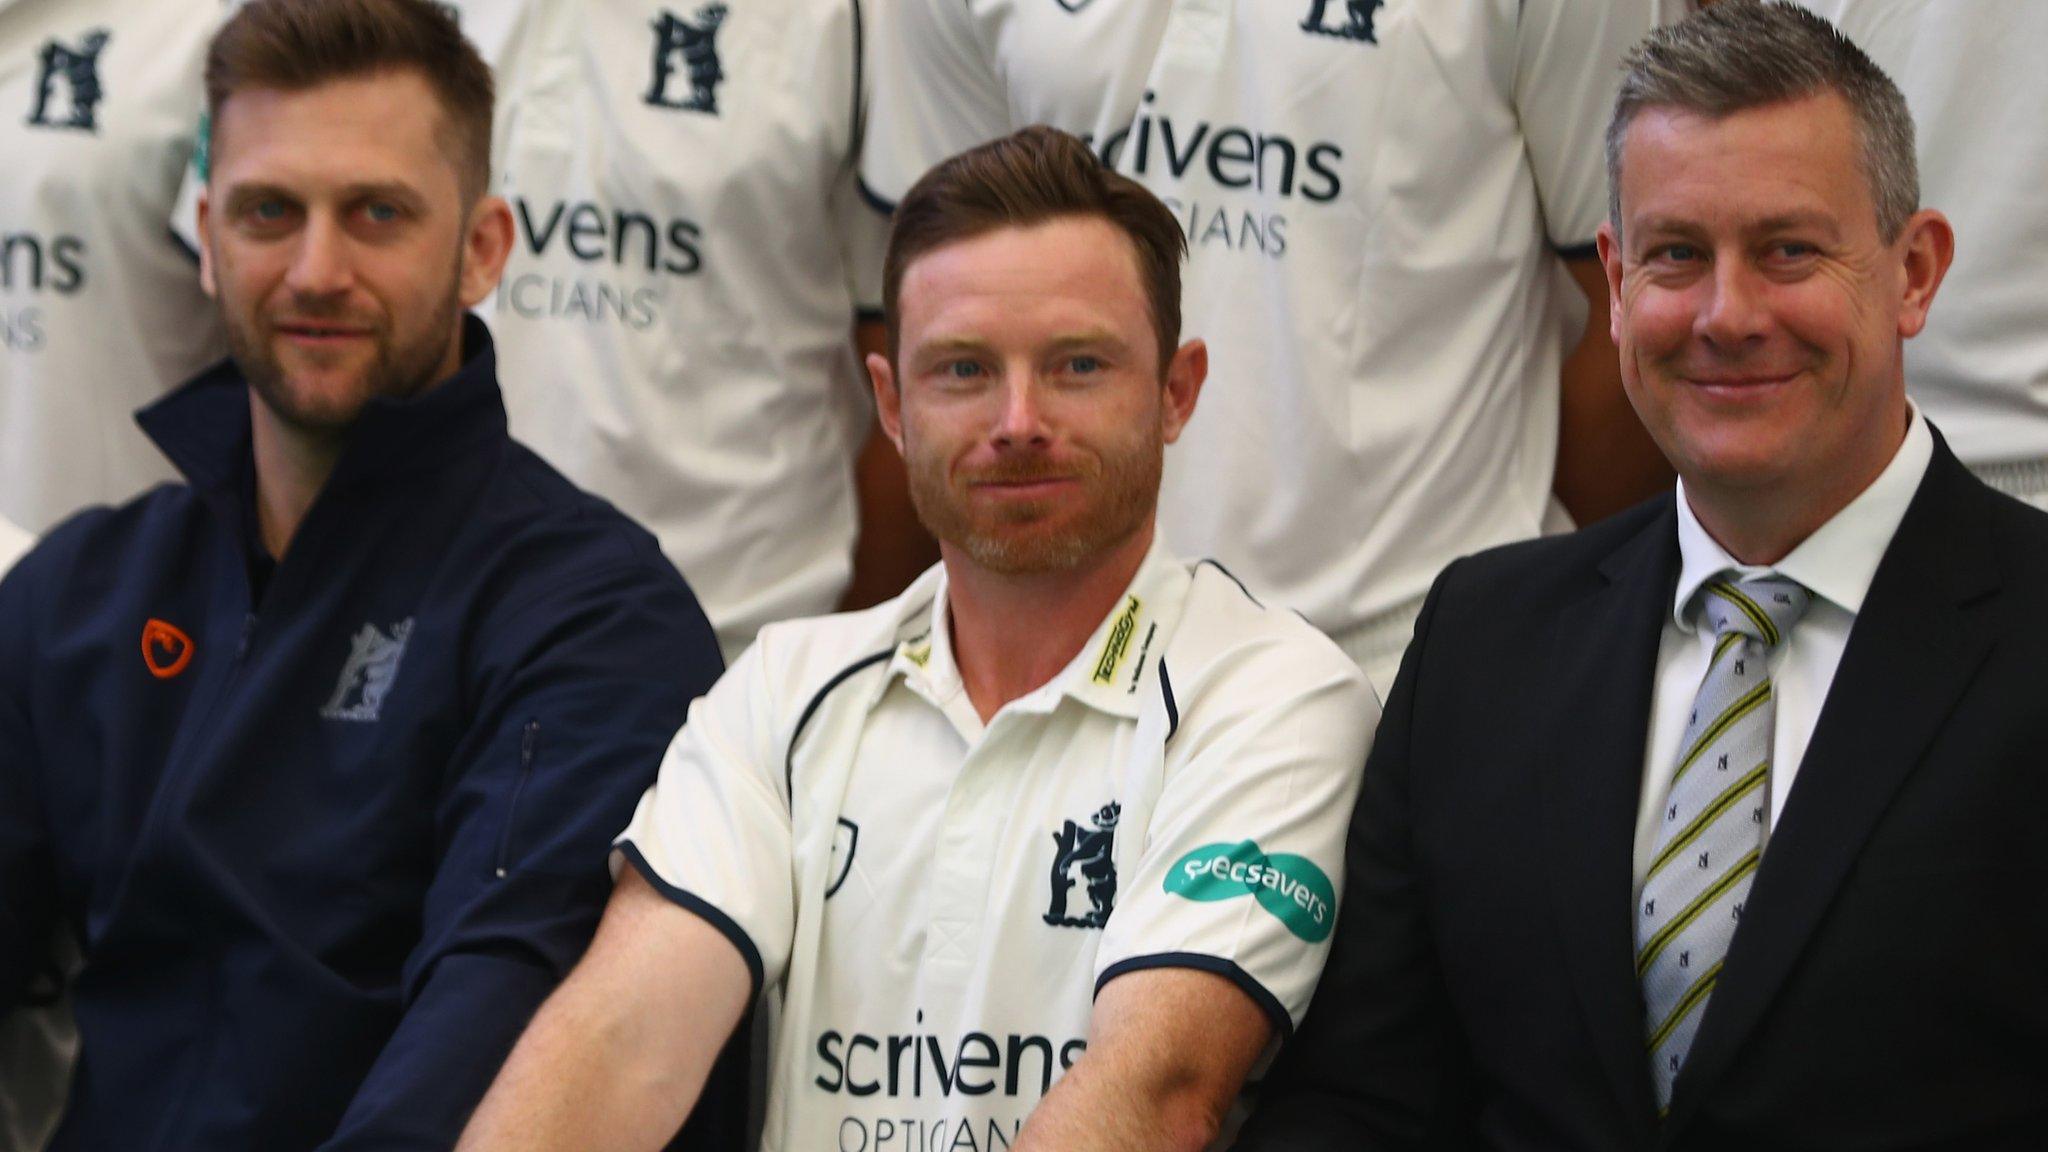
(1292, 888)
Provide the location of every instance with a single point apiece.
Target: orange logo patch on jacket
(165, 648)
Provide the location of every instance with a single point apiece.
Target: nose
(320, 264)
(1734, 311)
(1022, 419)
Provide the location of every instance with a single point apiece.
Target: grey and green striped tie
(1711, 832)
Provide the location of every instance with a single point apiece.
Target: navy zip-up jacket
(327, 847)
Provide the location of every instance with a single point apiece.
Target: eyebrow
(241, 194)
(1781, 222)
(1086, 338)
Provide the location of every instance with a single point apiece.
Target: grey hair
(1743, 54)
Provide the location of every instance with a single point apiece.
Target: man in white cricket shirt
(1387, 203)
(100, 308)
(1038, 855)
(1973, 77)
(676, 325)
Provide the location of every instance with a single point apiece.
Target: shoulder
(1229, 646)
(1533, 574)
(104, 546)
(801, 662)
(538, 536)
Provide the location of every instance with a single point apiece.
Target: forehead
(1796, 158)
(1064, 271)
(381, 127)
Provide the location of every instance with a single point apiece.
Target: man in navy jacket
(320, 753)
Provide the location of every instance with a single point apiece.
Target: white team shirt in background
(938, 901)
(674, 328)
(100, 307)
(1374, 195)
(1973, 78)
(14, 542)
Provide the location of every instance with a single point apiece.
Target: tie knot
(1761, 607)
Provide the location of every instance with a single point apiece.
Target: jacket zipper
(529, 739)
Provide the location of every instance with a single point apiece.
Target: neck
(292, 465)
(1014, 633)
(1762, 525)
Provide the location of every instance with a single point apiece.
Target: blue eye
(380, 212)
(1681, 252)
(963, 369)
(268, 210)
(1085, 364)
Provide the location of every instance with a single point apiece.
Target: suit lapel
(1606, 652)
(1913, 650)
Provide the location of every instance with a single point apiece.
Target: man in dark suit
(1719, 825)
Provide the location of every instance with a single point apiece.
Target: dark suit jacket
(1889, 985)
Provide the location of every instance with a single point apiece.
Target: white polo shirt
(1973, 79)
(1374, 195)
(938, 901)
(674, 328)
(14, 542)
(100, 307)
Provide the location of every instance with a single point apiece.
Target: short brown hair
(293, 45)
(1030, 177)
(1741, 54)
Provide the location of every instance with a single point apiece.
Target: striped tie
(1711, 833)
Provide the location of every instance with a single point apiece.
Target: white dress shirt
(1836, 564)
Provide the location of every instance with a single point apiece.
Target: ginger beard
(1115, 489)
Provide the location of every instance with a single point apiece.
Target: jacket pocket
(529, 744)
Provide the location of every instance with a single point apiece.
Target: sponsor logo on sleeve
(1292, 888)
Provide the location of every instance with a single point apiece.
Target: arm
(1168, 1050)
(1227, 916)
(579, 689)
(618, 1054)
(1606, 461)
(700, 918)
(1567, 66)
(935, 93)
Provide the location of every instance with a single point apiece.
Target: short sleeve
(713, 833)
(1244, 853)
(1567, 68)
(936, 94)
(864, 238)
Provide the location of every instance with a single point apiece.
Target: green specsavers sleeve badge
(1292, 888)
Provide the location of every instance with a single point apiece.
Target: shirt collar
(1104, 675)
(1839, 560)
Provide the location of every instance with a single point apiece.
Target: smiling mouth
(1021, 486)
(321, 332)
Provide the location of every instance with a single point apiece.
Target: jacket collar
(203, 427)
